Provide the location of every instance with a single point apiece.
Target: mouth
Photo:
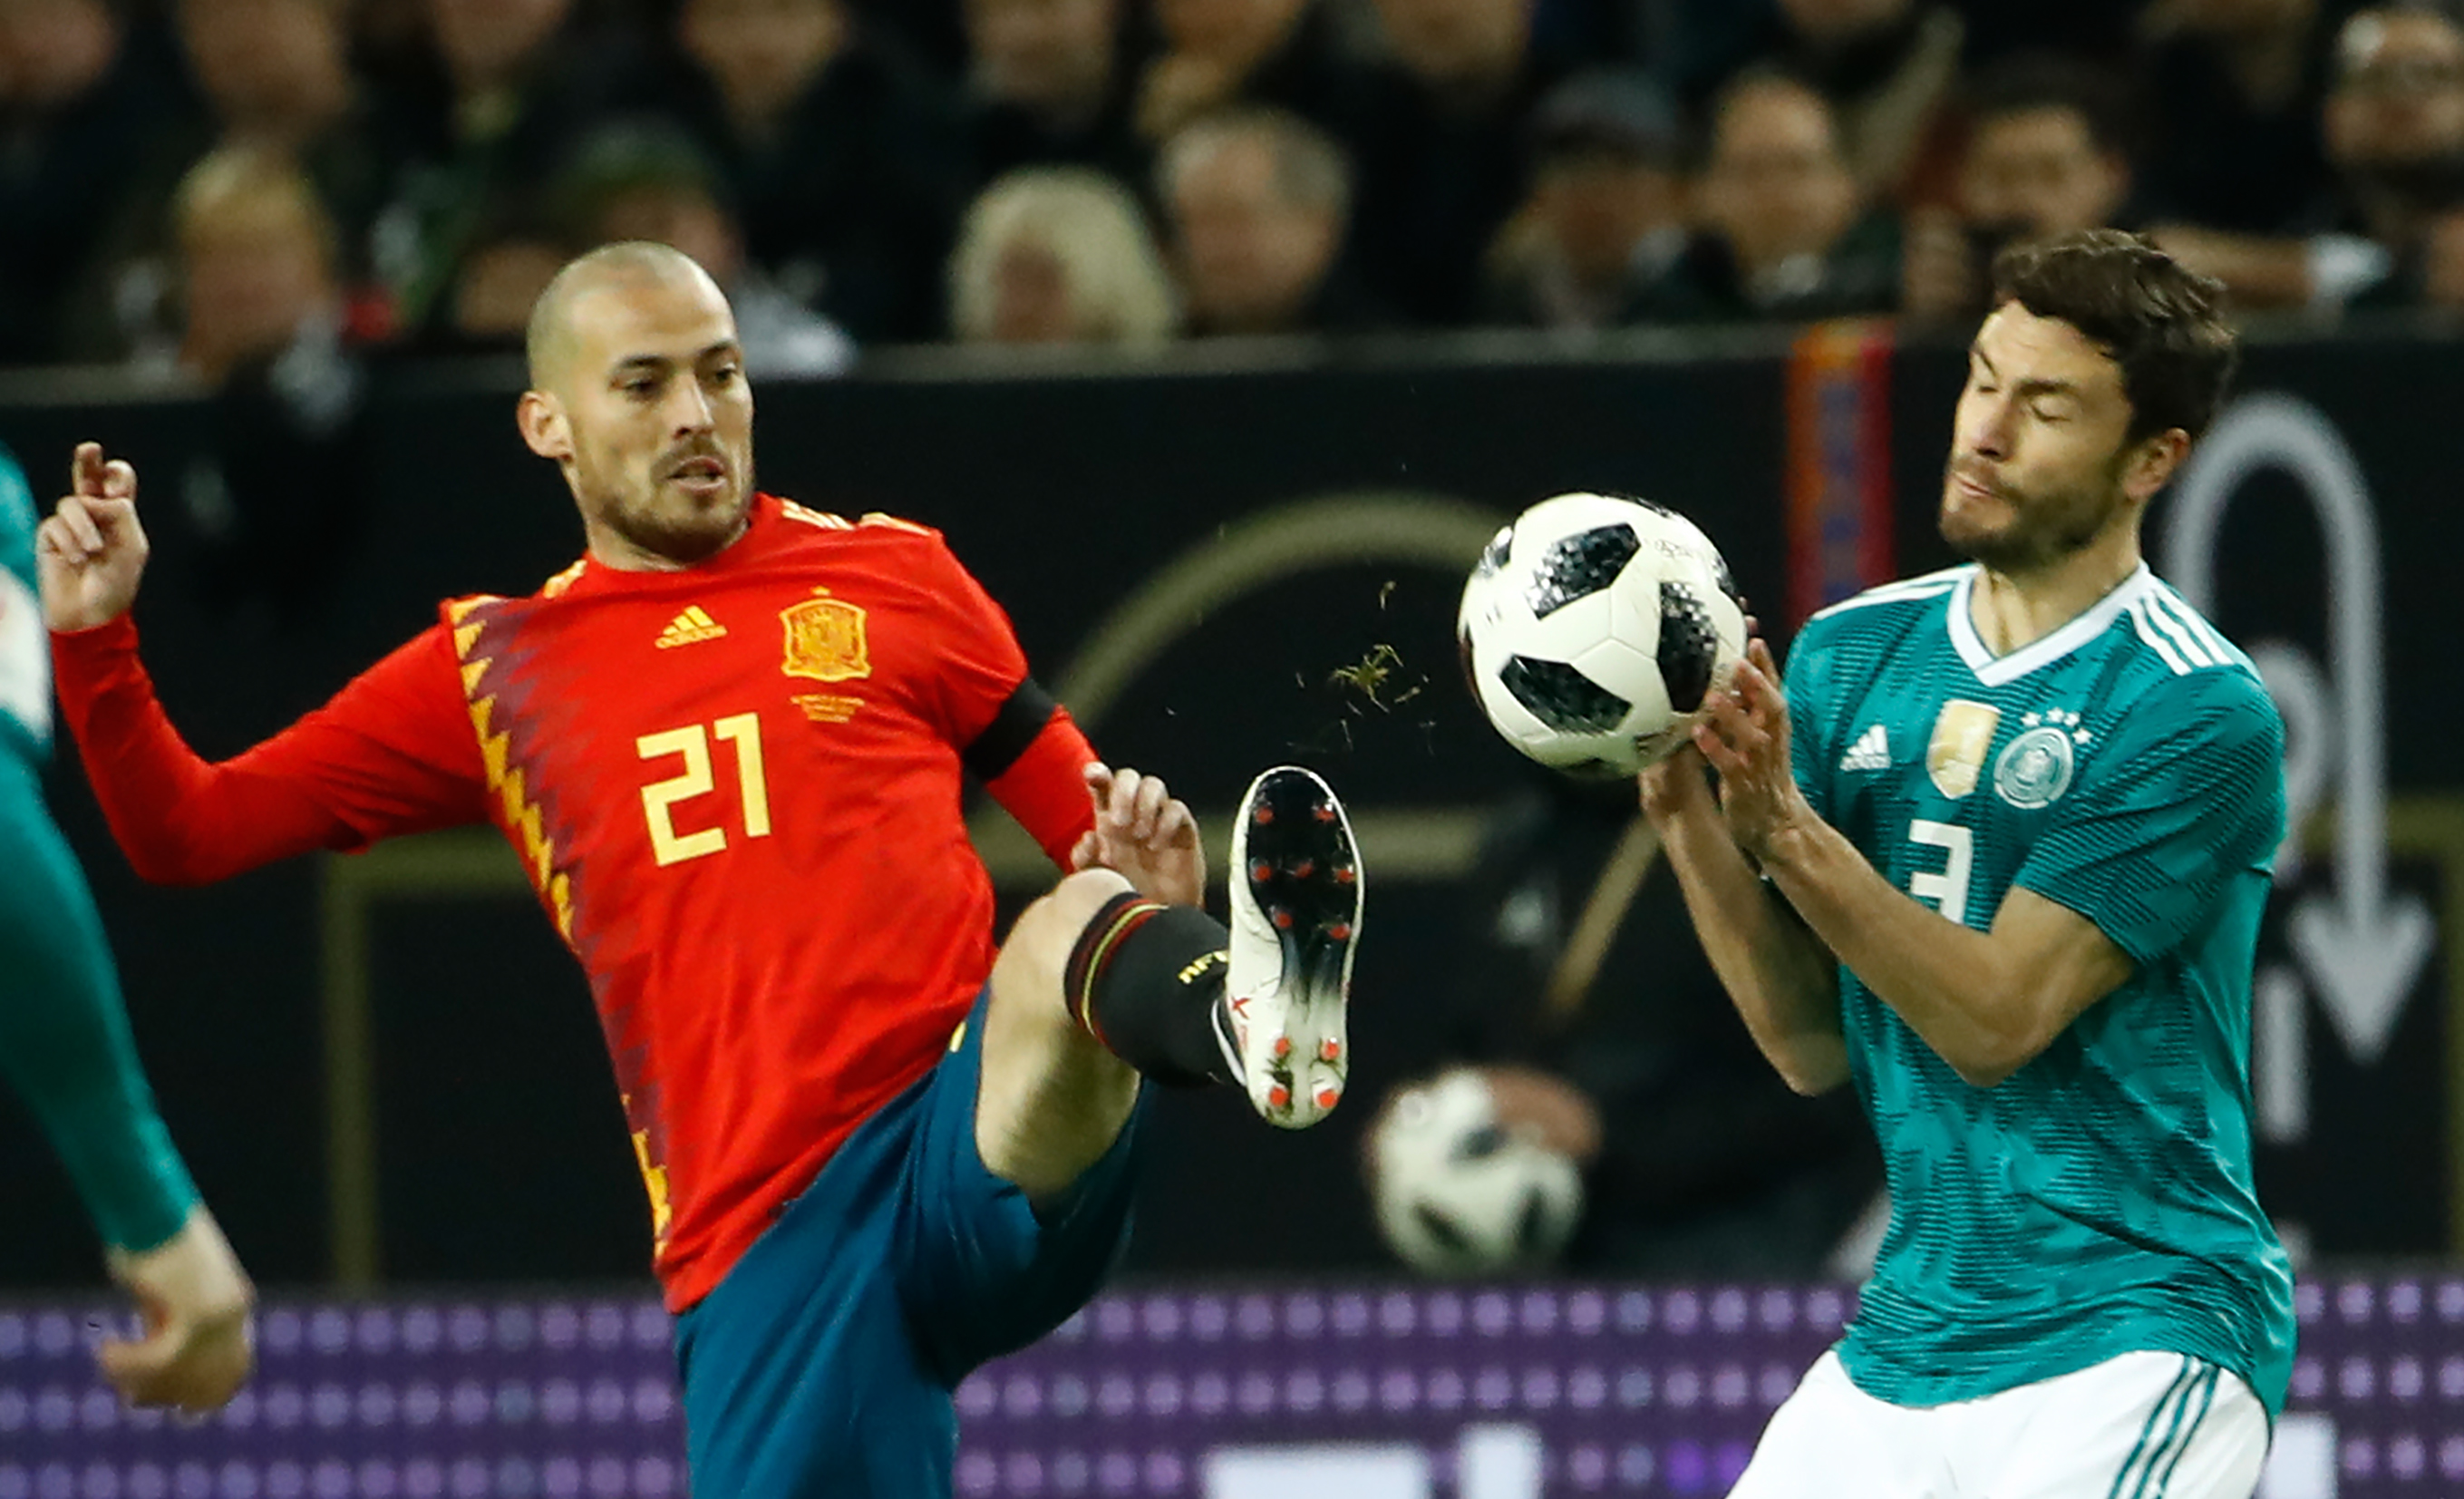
(704, 477)
(1969, 487)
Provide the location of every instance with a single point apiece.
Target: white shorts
(2140, 1426)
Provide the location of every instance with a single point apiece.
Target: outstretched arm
(394, 752)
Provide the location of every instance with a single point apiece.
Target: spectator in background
(268, 73)
(844, 159)
(509, 86)
(1216, 52)
(271, 72)
(1059, 255)
(79, 98)
(2047, 154)
(1259, 200)
(1887, 67)
(1441, 162)
(650, 183)
(271, 500)
(257, 262)
(1605, 219)
(2395, 136)
(2233, 90)
(1784, 233)
(1583, 996)
(2394, 132)
(1053, 84)
(506, 262)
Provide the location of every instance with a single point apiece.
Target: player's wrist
(194, 1271)
(1793, 841)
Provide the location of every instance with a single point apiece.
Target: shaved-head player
(728, 745)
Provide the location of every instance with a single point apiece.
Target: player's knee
(1040, 942)
(1064, 911)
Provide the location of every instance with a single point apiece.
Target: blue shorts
(824, 1362)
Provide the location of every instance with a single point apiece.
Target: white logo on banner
(2362, 946)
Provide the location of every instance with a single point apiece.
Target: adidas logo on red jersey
(690, 627)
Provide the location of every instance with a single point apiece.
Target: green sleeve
(64, 1038)
(2189, 796)
(1806, 680)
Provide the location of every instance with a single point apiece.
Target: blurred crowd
(204, 186)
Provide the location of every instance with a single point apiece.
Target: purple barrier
(1369, 1391)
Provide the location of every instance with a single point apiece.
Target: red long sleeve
(392, 753)
(1045, 788)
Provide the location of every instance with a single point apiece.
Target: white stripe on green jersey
(2098, 1201)
(25, 647)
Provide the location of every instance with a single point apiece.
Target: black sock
(1146, 979)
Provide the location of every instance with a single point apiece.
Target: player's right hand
(198, 1347)
(91, 553)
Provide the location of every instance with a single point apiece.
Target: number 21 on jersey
(659, 798)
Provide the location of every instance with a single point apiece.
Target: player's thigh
(982, 1267)
(801, 1376)
(1830, 1439)
(2145, 1425)
(1050, 1100)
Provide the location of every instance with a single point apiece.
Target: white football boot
(1295, 895)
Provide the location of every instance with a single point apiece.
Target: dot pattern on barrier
(1632, 1391)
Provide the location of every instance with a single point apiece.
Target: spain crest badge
(826, 640)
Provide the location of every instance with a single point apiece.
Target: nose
(689, 407)
(1985, 429)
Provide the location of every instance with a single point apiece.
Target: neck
(612, 551)
(2014, 609)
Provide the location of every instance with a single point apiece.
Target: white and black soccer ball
(1591, 629)
(1458, 1194)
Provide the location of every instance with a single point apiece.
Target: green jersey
(64, 1039)
(25, 660)
(2098, 1201)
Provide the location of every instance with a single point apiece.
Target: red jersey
(736, 790)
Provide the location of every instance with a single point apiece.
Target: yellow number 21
(692, 742)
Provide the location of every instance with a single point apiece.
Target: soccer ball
(1593, 626)
(1456, 1194)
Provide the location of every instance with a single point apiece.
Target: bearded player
(1998, 857)
(728, 744)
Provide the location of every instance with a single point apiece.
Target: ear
(545, 430)
(2150, 465)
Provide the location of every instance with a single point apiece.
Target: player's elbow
(1987, 1058)
(174, 865)
(1812, 1066)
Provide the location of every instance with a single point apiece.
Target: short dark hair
(2160, 320)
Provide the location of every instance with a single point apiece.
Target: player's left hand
(198, 1348)
(1146, 834)
(1744, 732)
